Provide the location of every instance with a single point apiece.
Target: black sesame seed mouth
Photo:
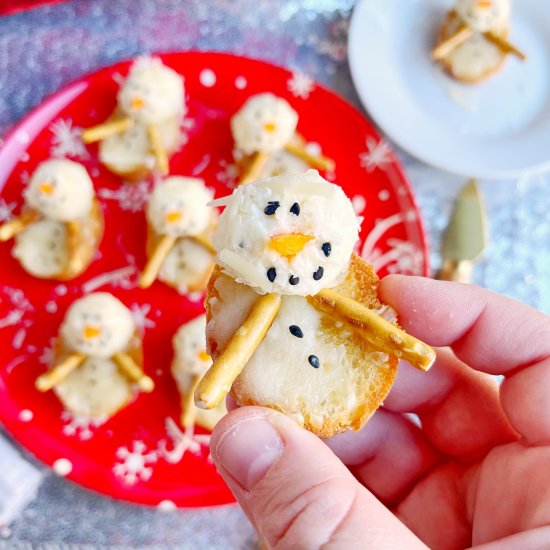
(271, 274)
(271, 208)
(327, 249)
(318, 275)
(314, 361)
(293, 280)
(295, 330)
(295, 209)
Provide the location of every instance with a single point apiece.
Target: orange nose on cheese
(484, 3)
(203, 356)
(46, 188)
(270, 126)
(91, 332)
(137, 103)
(173, 217)
(289, 245)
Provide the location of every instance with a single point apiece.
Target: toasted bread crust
(361, 284)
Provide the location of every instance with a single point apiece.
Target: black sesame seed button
(327, 249)
(271, 274)
(318, 275)
(271, 207)
(295, 330)
(293, 280)
(295, 209)
(314, 361)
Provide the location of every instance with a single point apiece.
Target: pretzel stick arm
(188, 407)
(206, 242)
(133, 372)
(107, 129)
(161, 156)
(316, 161)
(156, 260)
(255, 167)
(380, 333)
(454, 41)
(504, 46)
(75, 261)
(59, 372)
(9, 229)
(217, 382)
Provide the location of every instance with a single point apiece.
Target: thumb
(295, 491)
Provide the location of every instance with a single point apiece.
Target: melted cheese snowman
(473, 40)
(288, 303)
(191, 361)
(61, 226)
(179, 249)
(145, 128)
(99, 355)
(264, 128)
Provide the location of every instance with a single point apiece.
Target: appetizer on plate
(191, 361)
(473, 41)
(145, 127)
(179, 250)
(293, 317)
(61, 225)
(264, 126)
(98, 367)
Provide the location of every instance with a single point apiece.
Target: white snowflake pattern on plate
(6, 210)
(80, 426)
(300, 85)
(135, 463)
(131, 197)
(140, 313)
(227, 174)
(181, 443)
(67, 141)
(121, 278)
(377, 155)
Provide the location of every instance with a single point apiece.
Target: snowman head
(178, 206)
(60, 189)
(484, 15)
(190, 347)
(152, 93)
(264, 123)
(98, 325)
(290, 234)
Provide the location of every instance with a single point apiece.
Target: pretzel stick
(9, 229)
(75, 261)
(206, 242)
(106, 129)
(503, 45)
(158, 148)
(373, 328)
(454, 41)
(254, 168)
(188, 407)
(217, 382)
(316, 161)
(133, 372)
(59, 372)
(162, 249)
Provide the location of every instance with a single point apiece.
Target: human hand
(476, 472)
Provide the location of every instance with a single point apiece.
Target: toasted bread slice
(474, 60)
(309, 366)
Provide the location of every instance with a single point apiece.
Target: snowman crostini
(146, 125)
(293, 317)
(61, 224)
(472, 43)
(98, 358)
(179, 250)
(191, 361)
(266, 126)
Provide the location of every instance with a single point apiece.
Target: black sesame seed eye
(295, 209)
(314, 361)
(318, 275)
(271, 208)
(271, 274)
(293, 280)
(327, 249)
(295, 330)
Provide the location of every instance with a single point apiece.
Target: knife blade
(466, 236)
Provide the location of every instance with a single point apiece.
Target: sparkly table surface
(45, 48)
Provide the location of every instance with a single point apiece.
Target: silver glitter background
(45, 48)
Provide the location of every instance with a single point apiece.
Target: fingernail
(248, 450)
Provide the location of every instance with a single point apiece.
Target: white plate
(498, 129)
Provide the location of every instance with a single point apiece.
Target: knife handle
(454, 270)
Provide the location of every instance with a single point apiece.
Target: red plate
(140, 455)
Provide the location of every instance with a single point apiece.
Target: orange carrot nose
(484, 4)
(203, 356)
(137, 103)
(173, 217)
(46, 188)
(90, 332)
(270, 127)
(289, 245)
